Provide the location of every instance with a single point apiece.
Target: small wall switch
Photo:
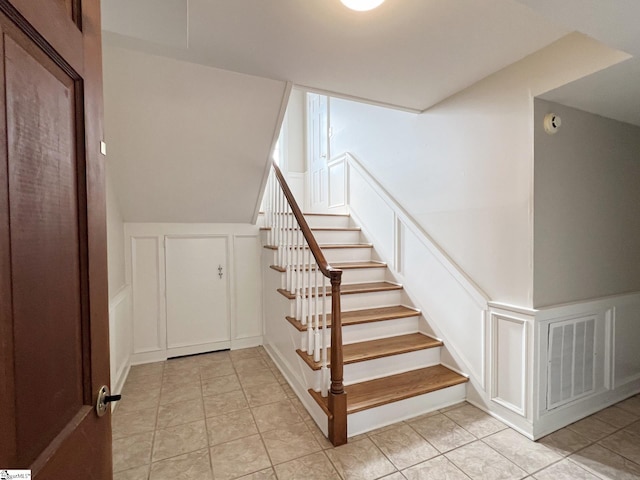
(103, 148)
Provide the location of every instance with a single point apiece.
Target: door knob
(104, 398)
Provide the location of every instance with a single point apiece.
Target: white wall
(296, 131)
(587, 207)
(120, 334)
(115, 239)
(145, 270)
(293, 148)
(464, 168)
(187, 143)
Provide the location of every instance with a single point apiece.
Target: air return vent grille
(571, 360)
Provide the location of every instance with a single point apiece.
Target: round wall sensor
(552, 123)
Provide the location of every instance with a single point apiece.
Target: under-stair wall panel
(154, 295)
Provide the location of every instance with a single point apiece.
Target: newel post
(337, 395)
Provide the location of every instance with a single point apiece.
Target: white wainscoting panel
(626, 337)
(120, 336)
(375, 215)
(145, 274)
(248, 287)
(615, 368)
(509, 358)
(233, 320)
(337, 183)
(296, 183)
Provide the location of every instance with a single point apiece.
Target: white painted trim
(182, 351)
(610, 349)
(120, 295)
(333, 164)
(513, 308)
(246, 342)
(148, 357)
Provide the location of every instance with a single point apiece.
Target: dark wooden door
(54, 351)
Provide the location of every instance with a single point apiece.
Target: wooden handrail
(337, 400)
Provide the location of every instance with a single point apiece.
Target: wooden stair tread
(355, 317)
(336, 229)
(382, 347)
(347, 289)
(381, 391)
(341, 265)
(329, 246)
(324, 229)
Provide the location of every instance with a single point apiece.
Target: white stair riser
(349, 276)
(385, 366)
(360, 254)
(291, 237)
(355, 301)
(359, 301)
(337, 236)
(384, 415)
(363, 332)
(328, 221)
(373, 330)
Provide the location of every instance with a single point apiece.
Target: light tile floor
(232, 415)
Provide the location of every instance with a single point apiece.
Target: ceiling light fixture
(362, 5)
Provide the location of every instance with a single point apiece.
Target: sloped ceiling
(615, 91)
(407, 53)
(612, 22)
(186, 142)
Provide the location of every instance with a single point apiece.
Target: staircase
(392, 370)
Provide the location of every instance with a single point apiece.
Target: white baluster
(281, 228)
(319, 304)
(310, 330)
(303, 310)
(268, 216)
(303, 303)
(287, 247)
(276, 220)
(324, 371)
(274, 212)
(290, 236)
(298, 272)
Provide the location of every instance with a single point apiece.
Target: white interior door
(197, 294)
(318, 150)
